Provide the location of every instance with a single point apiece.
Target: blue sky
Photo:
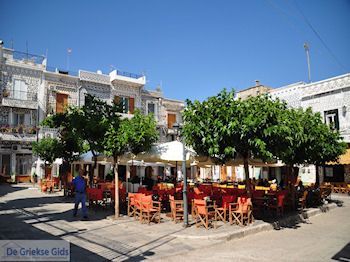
(194, 48)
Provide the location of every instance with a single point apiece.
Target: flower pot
(43, 188)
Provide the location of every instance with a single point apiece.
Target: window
(332, 119)
(151, 108)
(127, 104)
(18, 119)
(329, 171)
(23, 164)
(4, 118)
(171, 120)
(19, 90)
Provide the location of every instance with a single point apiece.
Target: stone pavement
(26, 213)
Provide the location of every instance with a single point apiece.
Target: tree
(135, 135)
(71, 143)
(91, 123)
(47, 149)
(207, 126)
(305, 139)
(222, 127)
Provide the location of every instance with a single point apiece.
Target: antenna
(306, 47)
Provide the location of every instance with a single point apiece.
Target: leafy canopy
(48, 149)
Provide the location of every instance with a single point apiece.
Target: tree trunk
(116, 198)
(246, 169)
(93, 166)
(246, 175)
(317, 176)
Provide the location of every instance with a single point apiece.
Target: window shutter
(116, 100)
(131, 105)
(61, 102)
(171, 120)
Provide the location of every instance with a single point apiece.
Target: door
(61, 102)
(171, 120)
(5, 165)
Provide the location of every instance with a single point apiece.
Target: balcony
(25, 59)
(127, 78)
(18, 133)
(15, 98)
(18, 129)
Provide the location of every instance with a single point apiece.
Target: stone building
(22, 81)
(256, 90)
(30, 90)
(331, 98)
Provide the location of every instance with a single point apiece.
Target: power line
(319, 37)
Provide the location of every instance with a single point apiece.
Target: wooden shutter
(131, 105)
(61, 102)
(116, 100)
(171, 120)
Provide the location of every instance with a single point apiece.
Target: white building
(331, 98)
(30, 90)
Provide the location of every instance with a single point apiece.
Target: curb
(262, 227)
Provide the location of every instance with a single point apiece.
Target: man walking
(80, 196)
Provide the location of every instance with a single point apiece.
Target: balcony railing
(20, 95)
(60, 71)
(22, 56)
(18, 129)
(127, 74)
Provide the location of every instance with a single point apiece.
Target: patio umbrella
(170, 152)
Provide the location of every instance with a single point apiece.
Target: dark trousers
(80, 198)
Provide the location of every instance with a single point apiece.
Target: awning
(343, 159)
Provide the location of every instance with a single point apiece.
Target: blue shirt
(79, 184)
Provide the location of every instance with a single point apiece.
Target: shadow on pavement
(343, 254)
(34, 217)
(7, 188)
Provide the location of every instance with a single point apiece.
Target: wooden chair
(131, 205)
(177, 209)
(204, 214)
(138, 207)
(241, 212)
(221, 212)
(150, 210)
(278, 205)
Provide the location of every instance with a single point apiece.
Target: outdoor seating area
(208, 204)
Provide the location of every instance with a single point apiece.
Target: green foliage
(305, 139)
(48, 149)
(142, 132)
(222, 128)
(72, 143)
(133, 135)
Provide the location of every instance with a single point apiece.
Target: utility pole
(306, 47)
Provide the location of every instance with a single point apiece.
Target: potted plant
(5, 93)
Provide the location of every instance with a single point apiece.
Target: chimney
(257, 83)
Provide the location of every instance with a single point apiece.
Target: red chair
(150, 210)
(241, 212)
(278, 205)
(221, 212)
(204, 214)
(95, 195)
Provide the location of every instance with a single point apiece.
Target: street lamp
(177, 128)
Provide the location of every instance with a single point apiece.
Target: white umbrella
(167, 152)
